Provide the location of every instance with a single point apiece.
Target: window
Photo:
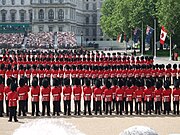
(50, 29)
(87, 6)
(12, 2)
(87, 20)
(100, 32)
(3, 2)
(51, 1)
(61, 15)
(41, 15)
(30, 1)
(3, 17)
(22, 15)
(30, 16)
(94, 6)
(61, 1)
(60, 29)
(94, 19)
(51, 15)
(22, 2)
(41, 28)
(41, 1)
(94, 32)
(87, 32)
(12, 17)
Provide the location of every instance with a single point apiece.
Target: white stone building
(79, 16)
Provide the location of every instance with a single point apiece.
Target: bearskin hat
(108, 84)
(13, 86)
(45, 83)
(98, 83)
(21, 82)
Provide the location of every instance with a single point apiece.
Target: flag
(119, 38)
(149, 32)
(136, 35)
(163, 35)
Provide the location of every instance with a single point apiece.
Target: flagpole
(155, 38)
(170, 58)
(142, 41)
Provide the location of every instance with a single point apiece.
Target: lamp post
(81, 38)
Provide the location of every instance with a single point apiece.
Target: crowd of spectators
(39, 40)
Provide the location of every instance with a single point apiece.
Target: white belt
(77, 94)
(139, 96)
(35, 95)
(108, 96)
(0, 93)
(129, 95)
(158, 96)
(46, 95)
(98, 95)
(22, 94)
(119, 95)
(176, 95)
(55, 94)
(87, 94)
(148, 95)
(67, 94)
(166, 96)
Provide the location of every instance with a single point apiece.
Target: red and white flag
(163, 35)
(119, 38)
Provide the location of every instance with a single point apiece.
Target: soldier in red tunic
(6, 91)
(114, 87)
(12, 97)
(174, 73)
(87, 97)
(98, 97)
(108, 93)
(119, 98)
(56, 93)
(138, 97)
(28, 73)
(45, 92)
(129, 97)
(2, 72)
(22, 97)
(77, 96)
(67, 91)
(35, 93)
(1, 96)
(15, 74)
(148, 96)
(157, 98)
(166, 97)
(176, 94)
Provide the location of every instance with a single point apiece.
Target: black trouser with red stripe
(167, 107)
(35, 105)
(13, 112)
(138, 107)
(67, 107)
(98, 107)
(46, 104)
(7, 107)
(22, 107)
(176, 107)
(77, 107)
(108, 108)
(119, 104)
(131, 107)
(158, 107)
(148, 107)
(87, 104)
(56, 107)
(1, 108)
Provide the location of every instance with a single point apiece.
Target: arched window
(51, 15)
(22, 2)
(41, 15)
(3, 2)
(13, 2)
(61, 15)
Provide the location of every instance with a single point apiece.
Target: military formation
(107, 83)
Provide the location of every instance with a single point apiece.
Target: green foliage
(124, 15)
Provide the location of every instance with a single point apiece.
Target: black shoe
(1, 115)
(58, 114)
(15, 120)
(79, 114)
(37, 115)
(90, 113)
(48, 115)
(9, 120)
(64, 114)
(69, 114)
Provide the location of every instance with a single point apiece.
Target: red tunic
(157, 95)
(6, 91)
(34, 73)
(41, 73)
(87, 93)
(35, 92)
(67, 91)
(21, 73)
(9, 73)
(77, 93)
(129, 94)
(2, 73)
(108, 95)
(119, 94)
(56, 93)
(176, 94)
(48, 73)
(147, 95)
(45, 92)
(28, 73)
(113, 88)
(166, 95)
(15, 73)
(1, 92)
(22, 93)
(12, 97)
(97, 94)
(138, 95)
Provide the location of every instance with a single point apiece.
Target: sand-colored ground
(106, 125)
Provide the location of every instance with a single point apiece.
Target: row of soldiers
(113, 96)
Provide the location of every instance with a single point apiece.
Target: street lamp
(81, 38)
